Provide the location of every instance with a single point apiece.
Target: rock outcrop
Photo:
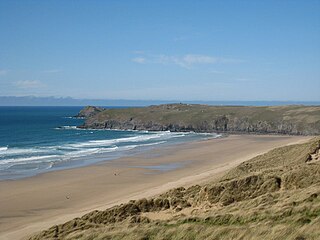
(292, 120)
(89, 111)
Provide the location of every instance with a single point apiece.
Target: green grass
(280, 119)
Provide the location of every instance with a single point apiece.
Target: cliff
(293, 120)
(272, 196)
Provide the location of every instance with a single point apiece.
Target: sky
(161, 50)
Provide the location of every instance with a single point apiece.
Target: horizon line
(148, 100)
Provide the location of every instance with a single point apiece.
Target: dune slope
(272, 196)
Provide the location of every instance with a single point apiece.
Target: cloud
(3, 72)
(198, 59)
(185, 61)
(139, 60)
(27, 84)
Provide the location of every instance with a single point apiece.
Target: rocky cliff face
(294, 120)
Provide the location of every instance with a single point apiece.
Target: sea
(34, 140)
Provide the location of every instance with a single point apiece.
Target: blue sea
(34, 140)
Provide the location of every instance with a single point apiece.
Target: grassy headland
(293, 120)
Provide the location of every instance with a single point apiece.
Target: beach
(35, 203)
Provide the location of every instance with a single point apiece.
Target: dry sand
(36, 203)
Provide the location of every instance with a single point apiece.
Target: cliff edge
(291, 120)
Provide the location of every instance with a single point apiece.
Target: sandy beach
(36, 203)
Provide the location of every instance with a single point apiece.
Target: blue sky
(174, 50)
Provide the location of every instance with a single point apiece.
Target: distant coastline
(68, 101)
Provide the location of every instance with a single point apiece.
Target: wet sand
(36, 203)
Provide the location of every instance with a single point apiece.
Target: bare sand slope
(36, 203)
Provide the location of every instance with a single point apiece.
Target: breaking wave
(44, 157)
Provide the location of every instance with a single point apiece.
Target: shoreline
(32, 204)
(102, 154)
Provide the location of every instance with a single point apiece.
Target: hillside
(272, 196)
(293, 120)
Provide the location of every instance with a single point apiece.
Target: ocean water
(34, 140)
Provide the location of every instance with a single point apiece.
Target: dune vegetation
(272, 196)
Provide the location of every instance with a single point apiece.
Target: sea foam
(2, 149)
